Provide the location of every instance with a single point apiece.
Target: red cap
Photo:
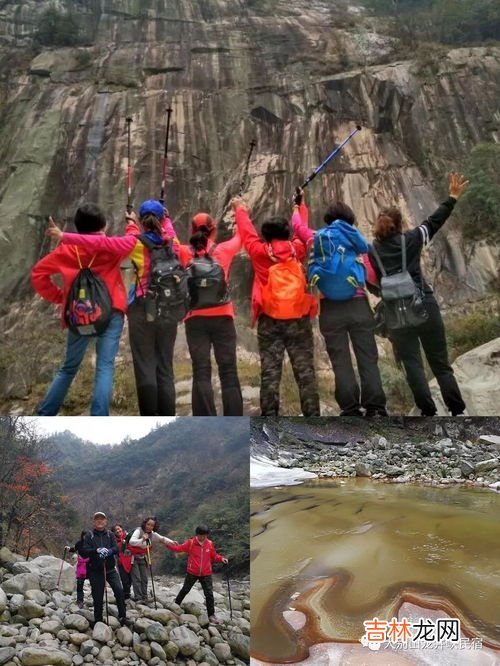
(203, 220)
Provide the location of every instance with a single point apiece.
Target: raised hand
(456, 184)
(298, 197)
(237, 202)
(225, 560)
(53, 230)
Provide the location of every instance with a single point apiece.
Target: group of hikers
(124, 561)
(299, 273)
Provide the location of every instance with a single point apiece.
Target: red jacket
(124, 559)
(258, 252)
(200, 556)
(64, 261)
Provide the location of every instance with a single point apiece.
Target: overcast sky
(100, 429)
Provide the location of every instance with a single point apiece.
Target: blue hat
(151, 206)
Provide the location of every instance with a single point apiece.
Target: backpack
(336, 267)
(284, 295)
(403, 306)
(207, 283)
(88, 309)
(166, 296)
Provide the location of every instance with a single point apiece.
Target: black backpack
(403, 306)
(207, 284)
(88, 309)
(167, 294)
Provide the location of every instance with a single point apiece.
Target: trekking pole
(151, 571)
(129, 168)
(247, 164)
(330, 157)
(106, 590)
(61, 567)
(164, 162)
(226, 574)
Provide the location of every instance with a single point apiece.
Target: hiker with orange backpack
(282, 309)
(92, 300)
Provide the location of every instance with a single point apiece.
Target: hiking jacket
(64, 261)
(200, 556)
(81, 566)
(99, 539)
(137, 544)
(389, 250)
(258, 251)
(306, 234)
(125, 557)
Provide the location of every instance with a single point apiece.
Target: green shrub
(480, 203)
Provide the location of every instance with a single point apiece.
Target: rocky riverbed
(41, 624)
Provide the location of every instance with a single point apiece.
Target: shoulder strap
(378, 260)
(80, 261)
(403, 251)
(147, 242)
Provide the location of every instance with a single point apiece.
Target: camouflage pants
(295, 336)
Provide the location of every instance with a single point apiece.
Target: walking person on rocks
(100, 317)
(201, 553)
(125, 558)
(101, 548)
(80, 569)
(282, 309)
(140, 545)
(339, 268)
(386, 255)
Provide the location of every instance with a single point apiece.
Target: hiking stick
(61, 568)
(245, 172)
(330, 157)
(129, 168)
(106, 591)
(151, 571)
(226, 574)
(164, 162)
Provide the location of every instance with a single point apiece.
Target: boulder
(41, 656)
(186, 640)
(158, 651)
(6, 654)
(157, 632)
(102, 633)
(3, 601)
(78, 622)
(143, 651)
(222, 651)
(30, 609)
(47, 569)
(486, 465)
(239, 644)
(20, 583)
(124, 636)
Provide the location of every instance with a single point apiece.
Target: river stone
(105, 654)
(124, 636)
(6, 654)
(77, 638)
(222, 651)
(187, 641)
(492, 440)
(206, 656)
(171, 650)
(187, 618)
(158, 651)
(362, 469)
(75, 621)
(30, 610)
(102, 633)
(38, 656)
(486, 465)
(78, 660)
(161, 615)
(192, 608)
(86, 647)
(240, 644)
(3, 600)
(143, 651)
(141, 624)
(157, 632)
(51, 627)
(20, 583)
(467, 468)
(36, 595)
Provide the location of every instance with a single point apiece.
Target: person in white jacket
(140, 545)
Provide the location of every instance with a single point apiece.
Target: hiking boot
(213, 620)
(125, 621)
(376, 414)
(351, 412)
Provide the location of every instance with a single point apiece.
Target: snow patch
(265, 472)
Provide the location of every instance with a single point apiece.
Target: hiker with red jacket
(282, 309)
(125, 559)
(210, 320)
(201, 553)
(152, 325)
(67, 261)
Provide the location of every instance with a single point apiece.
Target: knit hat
(203, 220)
(152, 206)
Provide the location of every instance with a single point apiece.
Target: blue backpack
(336, 267)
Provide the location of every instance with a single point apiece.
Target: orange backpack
(284, 296)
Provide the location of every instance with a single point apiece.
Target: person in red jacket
(125, 559)
(66, 260)
(290, 331)
(210, 321)
(201, 553)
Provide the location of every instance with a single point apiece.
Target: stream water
(328, 555)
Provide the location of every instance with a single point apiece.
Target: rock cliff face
(295, 78)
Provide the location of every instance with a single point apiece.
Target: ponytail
(150, 222)
(199, 240)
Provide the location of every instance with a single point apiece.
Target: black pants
(432, 336)
(79, 589)
(126, 580)
(202, 333)
(97, 586)
(208, 590)
(152, 346)
(339, 323)
(295, 336)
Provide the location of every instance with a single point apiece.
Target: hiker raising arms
(125, 558)
(282, 309)
(386, 256)
(152, 324)
(339, 268)
(210, 320)
(201, 553)
(140, 545)
(67, 260)
(100, 547)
